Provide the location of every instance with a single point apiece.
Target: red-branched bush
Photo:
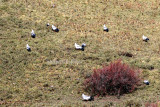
(115, 79)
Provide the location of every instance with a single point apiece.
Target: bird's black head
(56, 30)
(107, 30)
(146, 40)
(33, 35)
(47, 24)
(92, 98)
(29, 49)
(147, 83)
(82, 47)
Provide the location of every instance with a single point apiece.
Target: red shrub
(117, 78)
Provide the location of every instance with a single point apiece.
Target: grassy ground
(42, 77)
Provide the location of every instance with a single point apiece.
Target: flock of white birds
(78, 47)
(33, 35)
(81, 47)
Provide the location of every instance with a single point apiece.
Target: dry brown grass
(23, 74)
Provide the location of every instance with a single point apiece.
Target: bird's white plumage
(32, 32)
(104, 27)
(77, 46)
(144, 37)
(85, 97)
(27, 47)
(53, 27)
(145, 81)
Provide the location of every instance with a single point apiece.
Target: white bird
(146, 82)
(87, 98)
(105, 28)
(145, 38)
(28, 47)
(78, 47)
(33, 35)
(55, 28)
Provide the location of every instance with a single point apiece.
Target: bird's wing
(85, 97)
(77, 46)
(53, 27)
(27, 46)
(32, 31)
(104, 27)
(144, 37)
